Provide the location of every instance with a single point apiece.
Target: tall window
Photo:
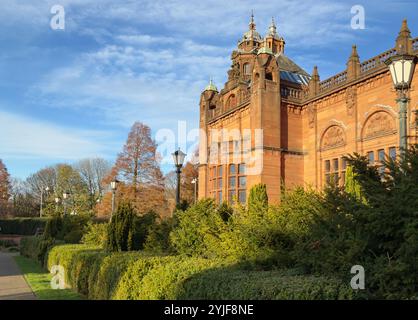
(327, 171)
(216, 182)
(343, 169)
(370, 156)
(381, 158)
(335, 170)
(237, 183)
(392, 153)
(247, 69)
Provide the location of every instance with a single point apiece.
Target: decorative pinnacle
(354, 52)
(404, 29)
(252, 23)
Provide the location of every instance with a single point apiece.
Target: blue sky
(66, 95)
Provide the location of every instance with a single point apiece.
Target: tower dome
(251, 34)
(211, 86)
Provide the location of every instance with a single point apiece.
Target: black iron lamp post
(194, 182)
(114, 187)
(65, 197)
(57, 201)
(401, 68)
(178, 157)
(42, 200)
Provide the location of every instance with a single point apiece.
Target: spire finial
(272, 31)
(252, 23)
(354, 52)
(315, 74)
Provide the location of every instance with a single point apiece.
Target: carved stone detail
(380, 123)
(334, 137)
(311, 116)
(351, 100)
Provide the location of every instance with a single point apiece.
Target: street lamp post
(113, 186)
(57, 201)
(401, 68)
(178, 157)
(42, 200)
(194, 182)
(65, 196)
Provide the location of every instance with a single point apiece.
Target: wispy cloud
(25, 138)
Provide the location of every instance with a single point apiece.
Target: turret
(314, 83)
(353, 64)
(404, 40)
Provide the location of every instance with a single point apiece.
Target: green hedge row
(22, 226)
(227, 284)
(97, 274)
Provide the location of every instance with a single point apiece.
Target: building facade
(300, 126)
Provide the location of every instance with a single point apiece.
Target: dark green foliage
(53, 227)
(121, 229)
(235, 284)
(22, 226)
(198, 230)
(378, 231)
(258, 200)
(36, 247)
(158, 237)
(182, 206)
(67, 228)
(142, 225)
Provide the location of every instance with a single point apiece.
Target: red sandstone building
(307, 125)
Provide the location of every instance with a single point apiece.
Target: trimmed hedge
(98, 274)
(229, 284)
(22, 226)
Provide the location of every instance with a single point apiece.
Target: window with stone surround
(334, 170)
(237, 183)
(216, 182)
(247, 69)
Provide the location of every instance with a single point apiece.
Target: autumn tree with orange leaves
(137, 168)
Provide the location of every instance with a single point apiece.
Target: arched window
(231, 102)
(247, 69)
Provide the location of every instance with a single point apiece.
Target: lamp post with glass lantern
(113, 186)
(178, 157)
(42, 200)
(401, 68)
(57, 201)
(194, 182)
(65, 196)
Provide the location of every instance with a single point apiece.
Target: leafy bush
(29, 246)
(95, 234)
(53, 227)
(74, 236)
(158, 237)
(22, 226)
(142, 225)
(198, 230)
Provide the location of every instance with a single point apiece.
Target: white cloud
(23, 138)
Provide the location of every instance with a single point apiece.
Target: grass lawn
(39, 280)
